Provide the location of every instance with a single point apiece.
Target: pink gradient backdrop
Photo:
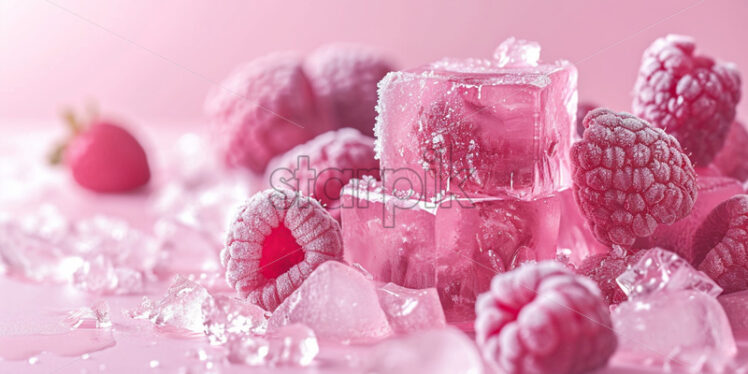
(155, 60)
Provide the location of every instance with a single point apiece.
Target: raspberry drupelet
(690, 96)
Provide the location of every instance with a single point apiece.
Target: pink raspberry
(322, 166)
(723, 236)
(263, 109)
(345, 77)
(582, 109)
(604, 269)
(542, 318)
(628, 177)
(732, 160)
(690, 96)
(277, 239)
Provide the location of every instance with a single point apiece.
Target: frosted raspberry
(732, 160)
(345, 77)
(582, 109)
(690, 96)
(542, 318)
(629, 177)
(605, 268)
(323, 165)
(723, 236)
(263, 109)
(276, 240)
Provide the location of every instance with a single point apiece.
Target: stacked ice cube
(473, 154)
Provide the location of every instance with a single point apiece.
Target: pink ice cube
(678, 237)
(441, 351)
(337, 302)
(672, 317)
(575, 239)
(456, 245)
(410, 309)
(490, 127)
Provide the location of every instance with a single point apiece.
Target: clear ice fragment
(672, 317)
(661, 271)
(183, 308)
(230, 317)
(337, 302)
(293, 345)
(410, 310)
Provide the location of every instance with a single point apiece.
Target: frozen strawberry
(690, 96)
(263, 109)
(277, 239)
(542, 318)
(345, 77)
(723, 236)
(732, 160)
(322, 166)
(582, 109)
(605, 268)
(103, 156)
(629, 177)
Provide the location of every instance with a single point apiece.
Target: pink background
(150, 61)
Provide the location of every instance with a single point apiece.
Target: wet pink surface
(35, 336)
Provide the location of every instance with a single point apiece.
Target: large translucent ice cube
(456, 245)
(337, 302)
(410, 309)
(440, 351)
(575, 239)
(672, 317)
(494, 127)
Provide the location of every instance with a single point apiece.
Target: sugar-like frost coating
(541, 318)
(690, 96)
(277, 239)
(629, 177)
(723, 236)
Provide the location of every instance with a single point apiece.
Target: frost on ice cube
(456, 245)
(672, 317)
(513, 52)
(440, 351)
(410, 310)
(476, 127)
(661, 271)
(337, 302)
(183, 308)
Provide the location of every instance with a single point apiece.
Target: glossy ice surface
(673, 317)
(457, 245)
(479, 126)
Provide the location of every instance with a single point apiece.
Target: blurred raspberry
(629, 177)
(723, 236)
(605, 268)
(690, 96)
(263, 109)
(323, 165)
(345, 77)
(732, 160)
(277, 239)
(541, 318)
